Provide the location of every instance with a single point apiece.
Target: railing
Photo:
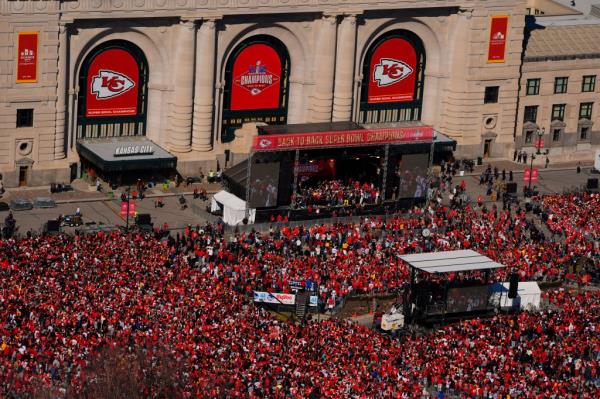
(262, 227)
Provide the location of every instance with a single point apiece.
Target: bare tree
(117, 373)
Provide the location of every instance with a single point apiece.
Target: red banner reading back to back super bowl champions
(393, 72)
(497, 46)
(27, 56)
(256, 78)
(112, 84)
(342, 138)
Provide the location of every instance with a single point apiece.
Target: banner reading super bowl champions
(112, 84)
(393, 72)
(497, 45)
(256, 78)
(27, 57)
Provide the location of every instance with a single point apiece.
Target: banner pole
(295, 187)
(384, 169)
(248, 175)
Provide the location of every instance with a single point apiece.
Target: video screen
(264, 181)
(411, 173)
(468, 299)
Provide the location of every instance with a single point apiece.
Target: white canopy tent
(450, 261)
(528, 295)
(234, 208)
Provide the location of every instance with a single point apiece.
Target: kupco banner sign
(342, 138)
(393, 72)
(497, 45)
(274, 297)
(112, 84)
(256, 78)
(27, 57)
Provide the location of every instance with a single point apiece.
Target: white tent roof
(450, 261)
(230, 200)
(524, 288)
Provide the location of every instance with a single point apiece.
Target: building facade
(192, 75)
(559, 92)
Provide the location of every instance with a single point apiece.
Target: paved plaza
(99, 208)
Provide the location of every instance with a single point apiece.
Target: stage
(336, 169)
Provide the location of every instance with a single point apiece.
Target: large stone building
(558, 89)
(187, 74)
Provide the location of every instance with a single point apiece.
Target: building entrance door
(487, 148)
(22, 176)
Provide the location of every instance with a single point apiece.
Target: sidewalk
(76, 195)
(508, 165)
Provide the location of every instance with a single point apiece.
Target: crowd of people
(64, 298)
(336, 193)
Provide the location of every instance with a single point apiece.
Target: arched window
(393, 77)
(256, 84)
(113, 91)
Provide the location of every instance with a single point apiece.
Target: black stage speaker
(53, 226)
(514, 285)
(592, 184)
(143, 219)
(511, 188)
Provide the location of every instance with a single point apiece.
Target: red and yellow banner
(342, 138)
(27, 57)
(498, 32)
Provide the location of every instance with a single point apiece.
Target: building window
(560, 85)
(556, 135)
(558, 112)
(25, 117)
(530, 113)
(533, 87)
(491, 95)
(589, 83)
(585, 110)
(583, 133)
(528, 136)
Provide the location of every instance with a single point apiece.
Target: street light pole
(530, 173)
(540, 134)
(127, 217)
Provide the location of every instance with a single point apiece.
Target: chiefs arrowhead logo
(390, 71)
(264, 143)
(108, 84)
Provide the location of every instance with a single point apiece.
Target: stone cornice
(94, 9)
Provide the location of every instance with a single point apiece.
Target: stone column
(61, 92)
(344, 69)
(182, 100)
(324, 68)
(203, 97)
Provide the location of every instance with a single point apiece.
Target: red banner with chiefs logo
(393, 72)
(27, 57)
(497, 46)
(112, 84)
(342, 138)
(256, 78)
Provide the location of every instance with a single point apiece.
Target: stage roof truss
(450, 261)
